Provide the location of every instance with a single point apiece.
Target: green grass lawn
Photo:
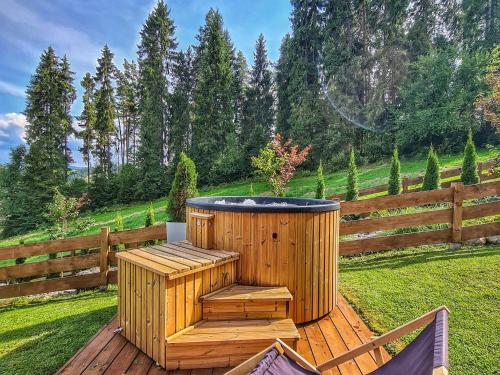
(391, 288)
(388, 289)
(134, 215)
(37, 336)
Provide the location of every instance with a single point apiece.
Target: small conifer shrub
(150, 216)
(394, 187)
(183, 187)
(352, 193)
(320, 182)
(469, 174)
(252, 191)
(432, 178)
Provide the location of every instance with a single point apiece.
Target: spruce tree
(105, 111)
(432, 178)
(156, 58)
(181, 105)
(394, 187)
(47, 107)
(258, 111)
(352, 192)
(307, 121)
(127, 102)
(320, 182)
(68, 96)
(183, 187)
(213, 95)
(283, 74)
(87, 121)
(469, 175)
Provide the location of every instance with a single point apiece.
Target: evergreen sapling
(394, 187)
(432, 178)
(320, 182)
(352, 192)
(469, 175)
(183, 187)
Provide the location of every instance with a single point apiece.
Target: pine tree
(127, 102)
(432, 178)
(87, 121)
(105, 111)
(469, 175)
(394, 187)
(240, 86)
(307, 121)
(156, 59)
(181, 105)
(283, 74)
(213, 95)
(68, 96)
(258, 111)
(48, 98)
(352, 193)
(183, 187)
(320, 182)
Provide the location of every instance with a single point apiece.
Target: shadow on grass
(394, 260)
(47, 346)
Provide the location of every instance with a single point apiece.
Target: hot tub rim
(316, 205)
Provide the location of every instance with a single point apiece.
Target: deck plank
(319, 341)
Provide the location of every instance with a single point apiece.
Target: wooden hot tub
(294, 245)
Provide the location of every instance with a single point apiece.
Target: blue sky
(80, 29)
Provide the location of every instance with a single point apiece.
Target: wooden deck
(110, 353)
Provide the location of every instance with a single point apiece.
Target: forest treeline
(368, 75)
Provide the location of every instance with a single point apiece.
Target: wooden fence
(100, 249)
(453, 215)
(98, 256)
(487, 171)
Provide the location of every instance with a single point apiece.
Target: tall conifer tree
(213, 95)
(156, 59)
(105, 111)
(258, 117)
(47, 112)
(87, 120)
(181, 105)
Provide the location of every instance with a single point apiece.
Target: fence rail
(99, 253)
(487, 172)
(454, 216)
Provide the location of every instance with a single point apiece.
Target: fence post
(103, 261)
(406, 183)
(458, 198)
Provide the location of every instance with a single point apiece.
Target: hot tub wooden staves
(298, 250)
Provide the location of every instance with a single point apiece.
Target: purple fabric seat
(429, 350)
(275, 363)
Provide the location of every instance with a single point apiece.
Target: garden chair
(427, 354)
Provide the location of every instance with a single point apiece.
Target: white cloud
(12, 127)
(11, 89)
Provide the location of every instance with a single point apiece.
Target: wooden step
(247, 302)
(226, 343)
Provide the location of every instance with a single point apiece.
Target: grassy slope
(394, 287)
(134, 215)
(37, 336)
